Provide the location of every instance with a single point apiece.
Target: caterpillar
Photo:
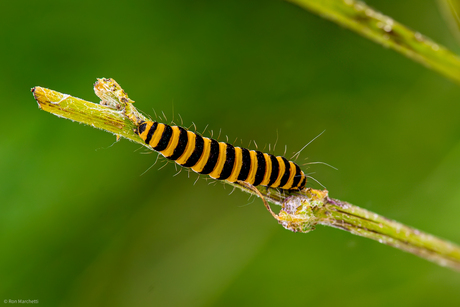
(220, 160)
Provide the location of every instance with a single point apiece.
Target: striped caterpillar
(220, 160)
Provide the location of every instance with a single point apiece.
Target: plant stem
(303, 213)
(96, 115)
(364, 20)
(300, 212)
(367, 224)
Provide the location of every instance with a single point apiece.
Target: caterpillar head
(140, 128)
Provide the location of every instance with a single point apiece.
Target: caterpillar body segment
(220, 160)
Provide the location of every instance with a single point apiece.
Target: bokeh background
(80, 225)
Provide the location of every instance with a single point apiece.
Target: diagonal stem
(300, 212)
(362, 19)
(367, 224)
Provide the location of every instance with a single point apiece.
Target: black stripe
(302, 184)
(181, 145)
(245, 165)
(141, 127)
(165, 137)
(197, 152)
(297, 177)
(287, 172)
(150, 133)
(275, 170)
(261, 166)
(212, 159)
(229, 162)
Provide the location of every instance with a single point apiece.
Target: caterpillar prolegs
(220, 160)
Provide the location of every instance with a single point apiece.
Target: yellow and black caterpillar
(220, 160)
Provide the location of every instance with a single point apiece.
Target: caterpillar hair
(220, 160)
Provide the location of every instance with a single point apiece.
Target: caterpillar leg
(253, 188)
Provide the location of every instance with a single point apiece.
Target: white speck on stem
(387, 28)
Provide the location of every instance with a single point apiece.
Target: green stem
(367, 224)
(304, 212)
(108, 117)
(79, 110)
(104, 116)
(364, 20)
(300, 212)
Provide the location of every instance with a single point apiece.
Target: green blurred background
(80, 226)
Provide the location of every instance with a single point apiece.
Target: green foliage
(97, 233)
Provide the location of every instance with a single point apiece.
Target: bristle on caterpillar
(220, 160)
